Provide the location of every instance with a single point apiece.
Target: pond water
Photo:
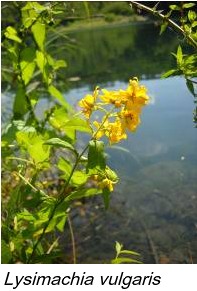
(153, 209)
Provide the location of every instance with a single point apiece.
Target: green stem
(72, 239)
(171, 23)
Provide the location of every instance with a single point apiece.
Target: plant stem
(171, 23)
(72, 239)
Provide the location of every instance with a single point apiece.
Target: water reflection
(118, 52)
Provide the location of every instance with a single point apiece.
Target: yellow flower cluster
(127, 105)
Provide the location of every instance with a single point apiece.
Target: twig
(164, 18)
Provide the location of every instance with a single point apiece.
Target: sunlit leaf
(41, 61)
(118, 247)
(27, 64)
(58, 95)
(38, 30)
(34, 144)
(79, 178)
(79, 124)
(179, 55)
(57, 142)
(11, 33)
(169, 73)
(125, 260)
(175, 7)
(83, 193)
(30, 13)
(188, 5)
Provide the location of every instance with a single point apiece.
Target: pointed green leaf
(129, 252)
(38, 30)
(96, 157)
(57, 142)
(58, 95)
(11, 33)
(188, 5)
(169, 73)
(163, 27)
(179, 55)
(118, 247)
(79, 124)
(83, 193)
(20, 103)
(27, 64)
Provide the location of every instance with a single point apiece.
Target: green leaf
(11, 33)
(190, 86)
(79, 178)
(30, 13)
(163, 27)
(111, 175)
(191, 15)
(175, 7)
(58, 120)
(20, 106)
(79, 124)
(60, 64)
(58, 95)
(65, 166)
(188, 5)
(106, 197)
(27, 64)
(169, 73)
(96, 158)
(26, 215)
(6, 254)
(57, 142)
(60, 225)
(41, 61)
(129, 252)
(118, 247)
(38, 29)
(34, 144)
(179, 56)
(125, 260)
(83, 193)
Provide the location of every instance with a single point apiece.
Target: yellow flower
(106, 183)
(102, 128)
(115, 132)
(88, 102)
(130, 119)
(111, 97)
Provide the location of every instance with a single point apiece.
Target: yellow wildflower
(111, 97)
(102, 128)
(115, 132)
(130, 119)
(87, 103)
(106, 183)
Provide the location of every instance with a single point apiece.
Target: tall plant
(36, 148)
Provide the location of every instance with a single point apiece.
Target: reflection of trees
(118, 53)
